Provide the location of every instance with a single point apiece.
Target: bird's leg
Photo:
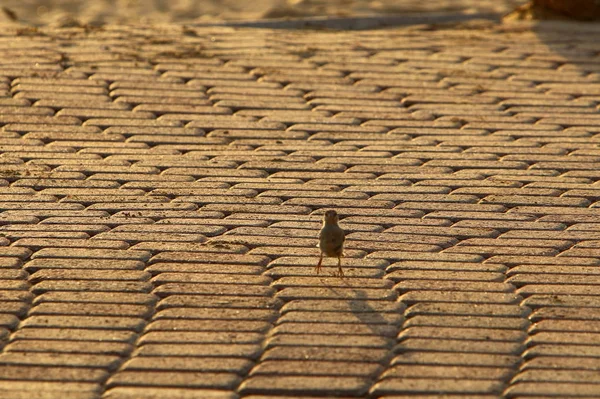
(318, 267)
(341, 272)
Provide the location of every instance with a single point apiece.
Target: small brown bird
(331, 240)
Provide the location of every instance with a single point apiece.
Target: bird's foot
(339, 273)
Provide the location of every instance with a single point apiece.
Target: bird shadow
(361, 307)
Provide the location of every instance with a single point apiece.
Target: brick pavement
(162, 189)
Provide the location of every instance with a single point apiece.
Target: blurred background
(96, 12)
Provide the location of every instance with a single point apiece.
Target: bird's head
(331, 216)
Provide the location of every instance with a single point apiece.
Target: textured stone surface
(161, 192)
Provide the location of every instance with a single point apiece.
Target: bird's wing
(337, 239)
(339, 235)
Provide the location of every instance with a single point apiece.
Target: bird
(331, 240)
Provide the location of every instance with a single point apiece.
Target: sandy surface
(62, 12)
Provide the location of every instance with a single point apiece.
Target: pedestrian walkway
(162, 189)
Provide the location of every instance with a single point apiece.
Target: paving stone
(212, 289)
(558, 244)
(9, 322)
(14, 252)
(504, 226)
(477, 216)
(453, 309)
(368, 318)
(339, 329)
(528, 290)
(307, 367)
(136, 237)
(436, 386)
(392, 240)
(489, 250)
(543, 260)
(198, 337)
(58, 274)
(563, 313)
(567, 337)
(93, 254)
(49, 234)
(356, 306)
(447, 266)
(102, 219)
(456, 372)
(216, 278)
(430, 284)
(39, 243)
(70, 347)
(91, 285)
(40, 206)
(376, 340)
(209, 258)
(481, 334)
(250, 351)
(522, 279)
(425, 256)
(208, 325)
(458, 346)
(96, 297)
(49, 389)
(75, 263)
(403, 275)
(102, 322)
(91, 309)
(207, 246)
(174, 378)
(456, 359)
(279, 272)
(196, 364)
(559, 299)
(413, 297)
(331, 353)
(8, 274)
(152, 392)
(560, 363)
(106, 362)
(356, 283)
(10, 263)
(548, 210)
(284, 385)
(75, 334)
(288, 294)
(552, 389)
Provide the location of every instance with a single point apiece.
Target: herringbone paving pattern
(162, 190)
